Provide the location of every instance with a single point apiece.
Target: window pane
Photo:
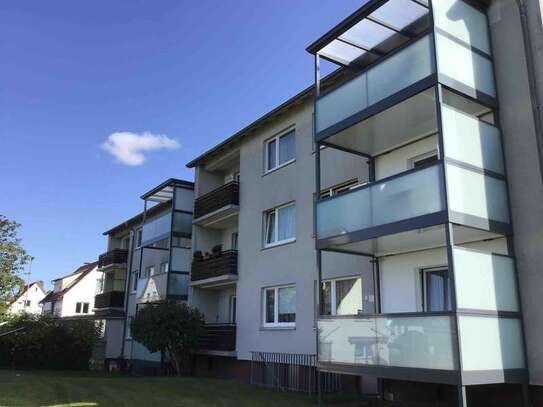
(437, 290)
(287, 304)
(86, 308)
(78, 308)
(348, 296)
(271, 146)
(270, 227)
(287, 223)
(326, 298)
(270, 306)
(287, 147)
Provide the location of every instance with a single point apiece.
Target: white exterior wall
(83, 291)
(34, 294)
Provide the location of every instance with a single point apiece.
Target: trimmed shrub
(47, 343)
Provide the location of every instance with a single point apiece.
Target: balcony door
(436, 289)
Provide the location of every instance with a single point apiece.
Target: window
(341, 296)
(99, 285)
(135, 280)
(148, 272)
(424, 159)
(81, 307)
(280, 150)
(125, 243)
(280, 225)
(234, 241)
(339, 189)
(164, 267)
(280, 307)
(138, 237)
(128, 328)
(27, 303)
(436, 289)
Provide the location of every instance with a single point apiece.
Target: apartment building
(147, 261)
(387, 219)
(73, 294)
(434, 108)
(426, 230)
(28, 299)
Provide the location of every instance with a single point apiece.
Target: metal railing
(293, 372)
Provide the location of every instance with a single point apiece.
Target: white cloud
(130, 148)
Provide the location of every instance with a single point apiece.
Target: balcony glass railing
(399, 198)
(424, 342)
(405, 68)
(156, 228)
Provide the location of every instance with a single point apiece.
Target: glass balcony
(405, 68)
(422, 342)
(156, 229)
(407, 196)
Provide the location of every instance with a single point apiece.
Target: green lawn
(37, 388)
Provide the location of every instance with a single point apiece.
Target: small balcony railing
(224, 196)
(215, 266)
(115, 256)
(219, 337)
(373, 209)
(111, 299)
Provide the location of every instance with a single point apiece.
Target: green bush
(47, 343)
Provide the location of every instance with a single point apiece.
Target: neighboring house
(28, 300)
(148, 261)
(73, 295)
(400, 221)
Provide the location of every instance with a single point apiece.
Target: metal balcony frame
(439, 82)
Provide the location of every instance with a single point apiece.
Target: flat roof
(373, 31)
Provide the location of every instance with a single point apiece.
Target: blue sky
(74, 73)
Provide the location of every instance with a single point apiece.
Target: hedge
(47, 343)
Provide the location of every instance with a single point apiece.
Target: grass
(45, 388)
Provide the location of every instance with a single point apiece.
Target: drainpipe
(536, 103)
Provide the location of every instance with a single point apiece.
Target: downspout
(128, 283)
(534, 97)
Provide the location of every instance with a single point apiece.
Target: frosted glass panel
(462, 21)
(342, 102)
(478, 195)
(475, 71)
(384, 79)
(156, 228)
(184, 199)
(409, 196)
(484, 281)
(472, 141)
(181, 259)
(418, 342)
(401, 70)
(182, 222)
(178, 284)
(490, 343)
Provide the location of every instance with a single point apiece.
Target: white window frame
(276, 226)
(276, 323)
(166, 267)
(413, 160)
(266, 155)
(333, 293)
(335, 189)
(424, 275)
(139, 237)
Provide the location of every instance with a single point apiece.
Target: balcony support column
(462, 397)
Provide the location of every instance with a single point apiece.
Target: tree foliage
(43, 342)
(168, 327)
(12, 260)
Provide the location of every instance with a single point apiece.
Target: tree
(174, 329)
(12, 260)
